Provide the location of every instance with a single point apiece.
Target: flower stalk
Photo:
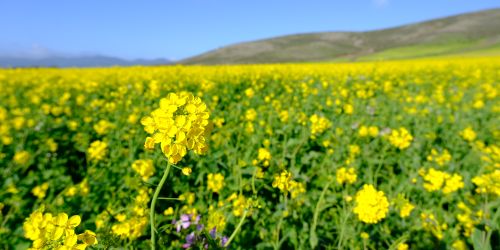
(237, 229)
(153, 204)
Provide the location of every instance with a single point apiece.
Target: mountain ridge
(447, 35)
(75, 61)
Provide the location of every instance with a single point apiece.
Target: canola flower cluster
(439, 159)
(285, 183)
(435, 180)
(371, 205)
(97, 151)
(49, 231)
(215, 182)
(346, 175)
(179, 124)
(488, 183)
(144, 168)
(133, 226)
(319, 124)
(400, 138)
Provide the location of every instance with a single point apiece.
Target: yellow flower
(364, 235)
(453, 183)
(371, 205)
(250, 115)
(296, 188)
(22, 157)
(240, 203)
(345, 175)
(259, 173)
(406, 210)
(440, 159)
(132, 118)
(282, 181)
(72, 125)
(318, 124)
(400, 138)
(40, 191)
(249, 92)
(11, 188)
(430, 223)
(168, 211)
(132, 228)
(33, 226)
(217, 220)
(435, 180)
(71, 191)
(284, 116)
(348, 198)
(488, 183)
(219, 122)
(188, 197)
(467, 219)
(88, 238)
(178, 125)
(363, 131)
(103, 127)
(149, 144)
(97, 151)
(52, 145)
(186, 171)
(65, 225)
(354, 150)
(468, 134)
(145, 168)
(215, 182)
(54, 232)
(459, 245)
(373, 131)
(263, 157)
(348, 109)
(402, 246)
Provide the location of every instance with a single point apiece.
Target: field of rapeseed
(382, 155)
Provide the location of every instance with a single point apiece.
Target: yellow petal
(79, 247)
(61, 219)
(70, 240)
(58, 232)
(74, 221)
(147, 120)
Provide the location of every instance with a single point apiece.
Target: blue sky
(178, 29)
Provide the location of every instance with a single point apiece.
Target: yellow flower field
(373, 155)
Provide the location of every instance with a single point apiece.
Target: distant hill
(75, 61)
(460, 34)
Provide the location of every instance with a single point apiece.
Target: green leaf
(313, 239)
(478, 241)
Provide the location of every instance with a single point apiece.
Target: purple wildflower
(184, 223)
(213, 232)
(223, 241)
(190, 240)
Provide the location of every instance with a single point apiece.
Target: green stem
(379, 165)
(278, 229)
(253, 182)
(170, 199)
(235, 232)
(317, 210)
(153, 203)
